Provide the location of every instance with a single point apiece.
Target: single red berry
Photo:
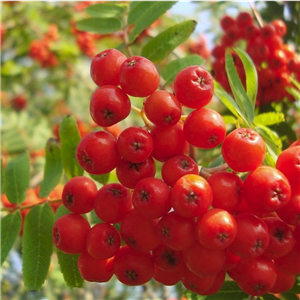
(79, 194)
(132, 267)
(69, 233)
(138, 76)
(243, 149)
(164, 277)
(135, 144)
(162, 108)
(204, 128)
(105, 67)
(191, 196)
(103, 241)
(151, 198)
(112, 202)
(284, 282)
(109, 105)
(177, 166)
(226, 22)
(280, 27)
(244, 19)
(266, 189)
(216, 229)
(289, 263)
(97, 152)
(194, 87)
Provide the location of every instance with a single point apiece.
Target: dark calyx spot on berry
(258, 287)
(137, 146)
(103, 55)
(165, 231)
(131, 274)
(184, 164)
(115, 192)
(192, 197)
(169, 257)
(213, 139)
(245, 134)
(69, 199)
(168, 119)
(144, 196)
(110, 240)
(131, 242)
(56, 237)
(258, 244)
(279, 234)
(108, 114)
(86, 159)
(135, 166)
(222, 237)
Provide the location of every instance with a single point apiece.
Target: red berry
(194, 87)
(109, 105)
(105, 67)
(138, 76)
(243, 149)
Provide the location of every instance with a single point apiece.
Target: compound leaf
(17, 176)
(10, 228)
(37, 245)
(53, 169)
(143, 13)
(99, 25)
(170, 71)
(165, 42)
(69, 139)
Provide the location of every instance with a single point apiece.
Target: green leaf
(230, 290)
(53, 169)
(104, 10)
(269, 297)
(143, 13)
(170, 71)
(69, 139)
(68, 262)
(10, 228)
(227, 100)
(11, 68)
(273, 144)
(103, 179)
(294, 92)
(229, 119)
(165, 42)
(37, 245)
(269, 118)
(17, 176)
(238, 90)
(99, 25)
(251, 75)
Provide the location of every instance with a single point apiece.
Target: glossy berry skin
(175, 231)
(204, 128)
(112, 202)
(203, 261)
(194, 87)
(177, 166)
(243, 149)
(129, 173)
(97, 152)
(290, 213)
(280, 27)
(79, 194)
(94, 269)
(289, 263)
(227, 190)
(103, 241)
(252, 238)
(138, 76)
(162, 108)
(109, 105)
(166, 277)
(69, 233)
(260, 276)
(282, 238)
(191, 196)
(266, 189)
(105, 67)
(139, 233)
(288, 162)
(151, 198)
(284, 282)
(135, 144)
(216, 229)
(168, 141)
(132, 267)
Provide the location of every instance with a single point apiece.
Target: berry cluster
(180, 226)
(40, 50)
(275, 61)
